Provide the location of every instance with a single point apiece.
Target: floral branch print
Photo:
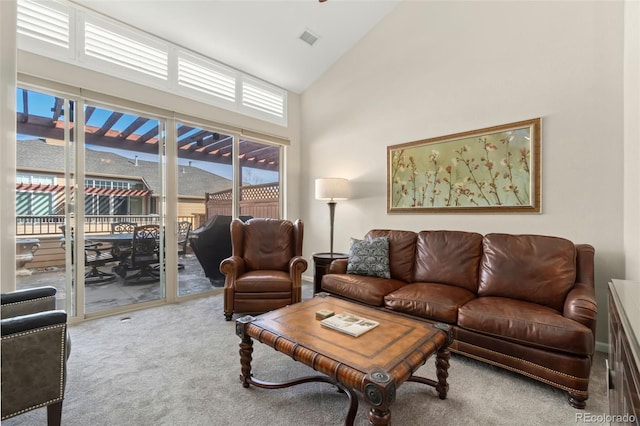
(508, 164)
(398, 166)
(448, 179)
(488, 148)
(433, 158)
(488, 169)
(472, 167)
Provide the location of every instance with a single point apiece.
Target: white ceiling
(260, 38)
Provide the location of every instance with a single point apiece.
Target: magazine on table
(350, 324)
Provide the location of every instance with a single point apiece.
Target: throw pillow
(369, 257)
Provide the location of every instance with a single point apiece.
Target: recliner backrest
(265, 243)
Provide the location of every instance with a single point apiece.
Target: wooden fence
(255, 200)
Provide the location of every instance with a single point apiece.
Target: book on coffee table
(350, 324)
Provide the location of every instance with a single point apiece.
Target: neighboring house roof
(193, 181)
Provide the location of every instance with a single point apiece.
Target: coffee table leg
(379, 417)
(442, 370)
(246, 350)
(380, 393)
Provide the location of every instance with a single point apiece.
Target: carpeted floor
(179, 365)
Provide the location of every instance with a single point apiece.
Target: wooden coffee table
(374, 364)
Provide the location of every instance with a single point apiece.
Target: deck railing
(29, 225)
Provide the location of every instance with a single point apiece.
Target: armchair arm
(232, 267)
(29, 301)
(581, 306)
(34, 355)
(297, 265)
(30, 322)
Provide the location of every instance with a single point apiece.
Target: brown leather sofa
(525, 303)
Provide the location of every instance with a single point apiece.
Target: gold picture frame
(496, 169)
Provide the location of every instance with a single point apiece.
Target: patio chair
(123, 227)
(145, 254)
(122, 250)
(96, 254)
(35, 347)
(184, 228)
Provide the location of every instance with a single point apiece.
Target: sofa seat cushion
(439, 302)
(365, 289)
(526, 323)
(263, 281)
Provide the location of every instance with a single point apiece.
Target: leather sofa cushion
(365, 289)
(402, 251)
(527, 324)
(267, 246)
(439, 302)
(531, 268)
(448, 257)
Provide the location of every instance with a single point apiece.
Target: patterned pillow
(369, 257)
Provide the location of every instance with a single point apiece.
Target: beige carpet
(179, 365)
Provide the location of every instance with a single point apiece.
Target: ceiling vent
(308, 37)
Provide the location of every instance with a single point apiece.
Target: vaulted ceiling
(258, 37)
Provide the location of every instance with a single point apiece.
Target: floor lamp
(332, 190)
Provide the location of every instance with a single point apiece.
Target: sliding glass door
(205, 171)
(123, 202)
(45, 179)
(93, 178)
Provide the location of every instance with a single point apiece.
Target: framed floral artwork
(496, 169)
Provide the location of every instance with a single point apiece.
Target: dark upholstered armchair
(35, 348)
(266, 266)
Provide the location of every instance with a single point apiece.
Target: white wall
(632, 140)
(436, 68)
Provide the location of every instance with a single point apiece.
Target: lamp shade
(332, 189)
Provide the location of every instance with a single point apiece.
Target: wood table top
(397, 340)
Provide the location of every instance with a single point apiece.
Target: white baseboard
(602, 347)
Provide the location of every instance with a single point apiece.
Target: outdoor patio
(118, 292)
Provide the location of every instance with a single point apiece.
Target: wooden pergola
(193, 143)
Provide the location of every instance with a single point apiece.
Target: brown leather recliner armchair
(35, 348)
(265, 269)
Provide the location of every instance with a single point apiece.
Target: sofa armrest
(338, 266)
(581, 306)
(585, 254)
(29, 301)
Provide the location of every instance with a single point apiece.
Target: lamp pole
(332, 215)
